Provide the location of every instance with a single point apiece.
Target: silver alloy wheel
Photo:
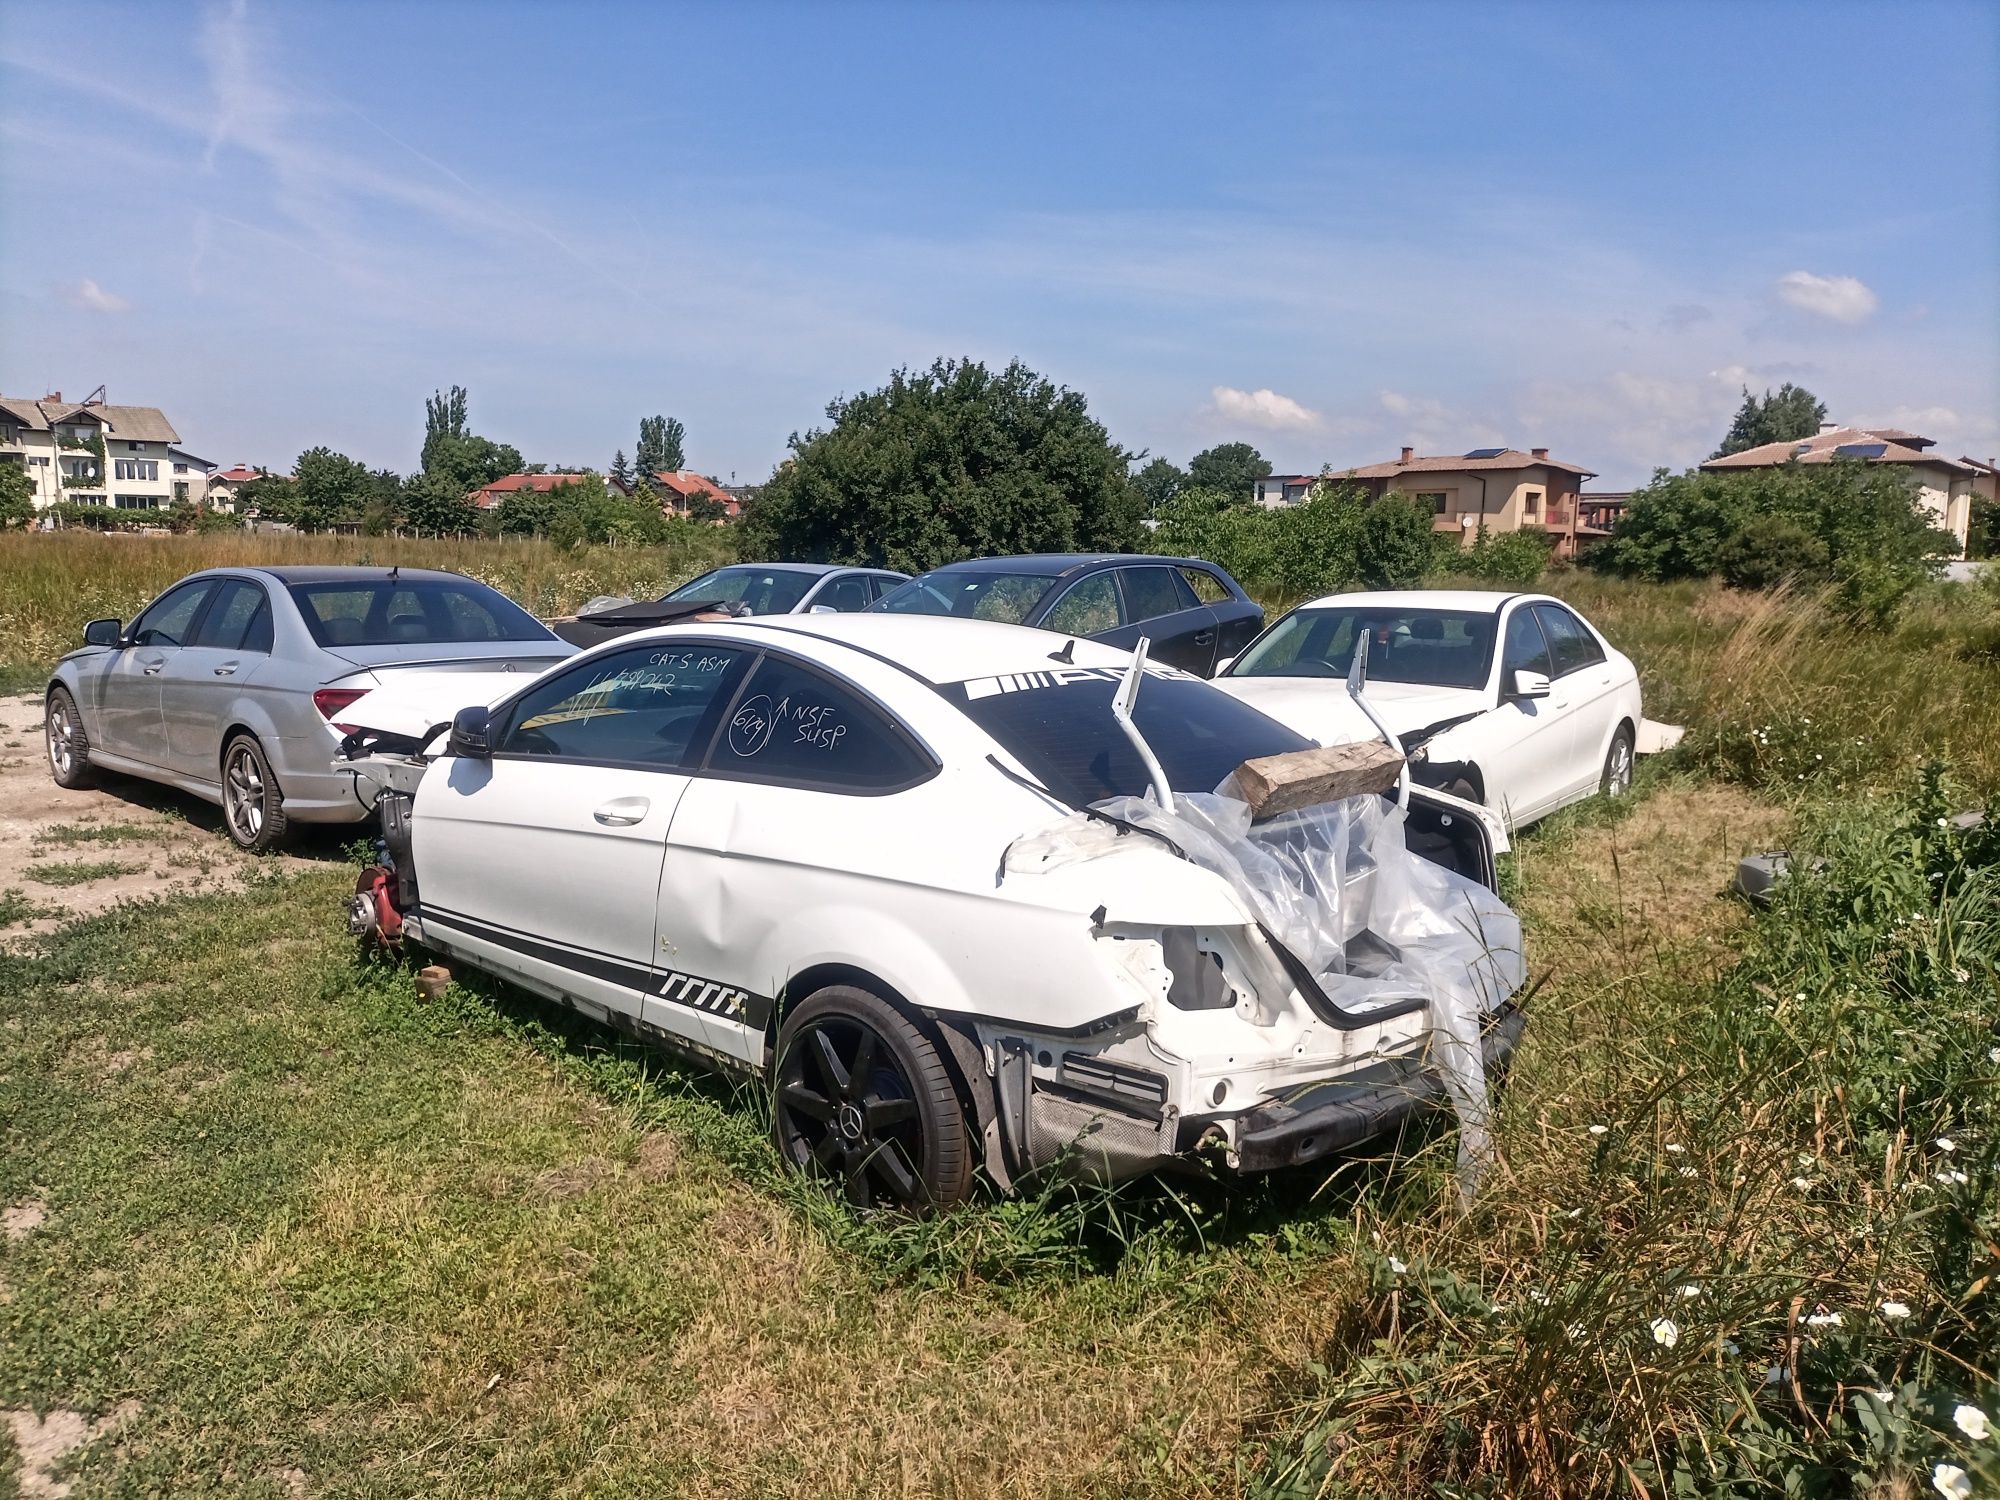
(243, 794)
(1618, 778)
(62, 740)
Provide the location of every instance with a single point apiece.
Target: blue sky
(1328, 230)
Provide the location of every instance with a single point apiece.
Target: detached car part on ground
(231, 684)
(962, 902)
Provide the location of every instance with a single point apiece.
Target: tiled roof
(1820, 449)
(134, 424)
(489, 495)
(1449, 463)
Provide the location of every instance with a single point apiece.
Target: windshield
(1432, 647)
(969, 593)
(1059, 726)
(768, 591)
(393, 612)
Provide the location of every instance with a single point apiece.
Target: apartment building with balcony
(1489, 489)
(91, 452)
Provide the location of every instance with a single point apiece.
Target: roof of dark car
(1055, 564)
(289, 574)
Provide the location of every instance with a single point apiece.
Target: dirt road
(69, 854)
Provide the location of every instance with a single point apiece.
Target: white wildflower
(1574, 1213)
(1801, 1184)
(1945, 1143)
(1688, 1291)
(1895, 1311)
(1576, 1332)
(1537, 1296)
(1972, 1421)
(1800, 995)
(1955, 1176)
(1689, 1172)
(1885, 1397)
(1952, 1482)
(1675, 1147)
(1959, 976)
(1944, 822)
(1823, 1320)
(1397, 1266)
(1993, 1054)
(1667, 1333)
(1600, 1130)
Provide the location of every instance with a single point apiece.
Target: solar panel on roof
(1486, 452)
(1861, 450)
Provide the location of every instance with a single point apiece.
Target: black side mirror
(469, 728)
(104, 633)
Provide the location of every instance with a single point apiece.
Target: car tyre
(68, 744)
(1617, 778)
(861, 1094)
(253, 805)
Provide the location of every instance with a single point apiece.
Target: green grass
(80, 835)
(60, 872)
(16, 907)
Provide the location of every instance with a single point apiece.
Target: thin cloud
(1841, 299)
(91, 297)
(1266, 409)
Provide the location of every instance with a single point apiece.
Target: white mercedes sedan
(881, 861)
(1514, 701)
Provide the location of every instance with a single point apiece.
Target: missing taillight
(331, 700)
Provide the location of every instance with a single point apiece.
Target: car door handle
(623, 812)
(1204, 638)
(154, 668)
(227, 669)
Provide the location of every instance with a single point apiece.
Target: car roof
(1466, 601)
(931, 647)
(290, 574)
(1056, 564)
(816, 569)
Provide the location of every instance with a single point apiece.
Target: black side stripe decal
(688, 990)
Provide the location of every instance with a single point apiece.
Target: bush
(1511, 559)
(1334, 539)
(1769, 550)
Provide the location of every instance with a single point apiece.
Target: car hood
(1320, 708)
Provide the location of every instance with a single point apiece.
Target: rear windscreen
(393, 612)
(1058, 725)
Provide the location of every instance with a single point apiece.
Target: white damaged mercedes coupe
(961, 891)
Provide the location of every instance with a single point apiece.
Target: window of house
(39, 460)
(135, 447)
(180, 468)
(1435, 499)
(1531, 503)
(138, 502)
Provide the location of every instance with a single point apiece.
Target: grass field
(279, 1229)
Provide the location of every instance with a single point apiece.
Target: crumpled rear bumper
(1357, 1107)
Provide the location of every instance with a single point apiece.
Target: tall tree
(1233, 468)
(673, 450)
(1793, 413)
(1158, 483)
(946, 462)
(661, 446)
(329, 487)
(444, 424)
(454, 452)
(621, 471)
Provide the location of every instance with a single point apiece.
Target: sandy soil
(177, 842)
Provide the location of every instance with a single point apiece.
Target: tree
(1396, 547)
(1233, 468)
(1158, 483)
(943, 463)
(621, 471)
(328, 487)
(435, 504)
(1792, 414)
(453, 451)
(17, 496)
(661, 447)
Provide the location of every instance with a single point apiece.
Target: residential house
(489, 495)
(1274, 490)
(1489, 489)
(1945, 486)
(90, 452)
(1598, 513)
(678, 486)
(225, 486)
(190, 477)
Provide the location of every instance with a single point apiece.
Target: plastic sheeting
(1337, 885)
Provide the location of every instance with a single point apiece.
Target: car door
(1524, 748)
(1585, 689)
(1160, 605)
(788, 814)
(543, 858)
(129, 721)
(230, 646)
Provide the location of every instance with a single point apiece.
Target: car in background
(230, 684)
(1193, 612)
(1514, 701)
(740, 589)
(850, 854)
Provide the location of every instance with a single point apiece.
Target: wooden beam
(1274, 784)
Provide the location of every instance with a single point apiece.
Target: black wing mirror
(104, 633)
(469, 730)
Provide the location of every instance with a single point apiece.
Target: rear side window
(1058, 725)
(848, 595)
(1207, 587)
(385, 612)
(789, 724)
(646, 706)
(1571, 644)
(1090, 607)
(238, 620)
(168, 622)
(767, 591)
(1152, 592)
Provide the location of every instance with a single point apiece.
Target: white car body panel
(1533, 755)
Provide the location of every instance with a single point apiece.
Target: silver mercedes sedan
(230, 684)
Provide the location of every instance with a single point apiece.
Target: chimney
(1408, 454)
(1538, 453)
(1825, 427)
(53, 396)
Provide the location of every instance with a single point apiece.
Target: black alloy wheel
(862, 1095)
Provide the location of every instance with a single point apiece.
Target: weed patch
(59, 872)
